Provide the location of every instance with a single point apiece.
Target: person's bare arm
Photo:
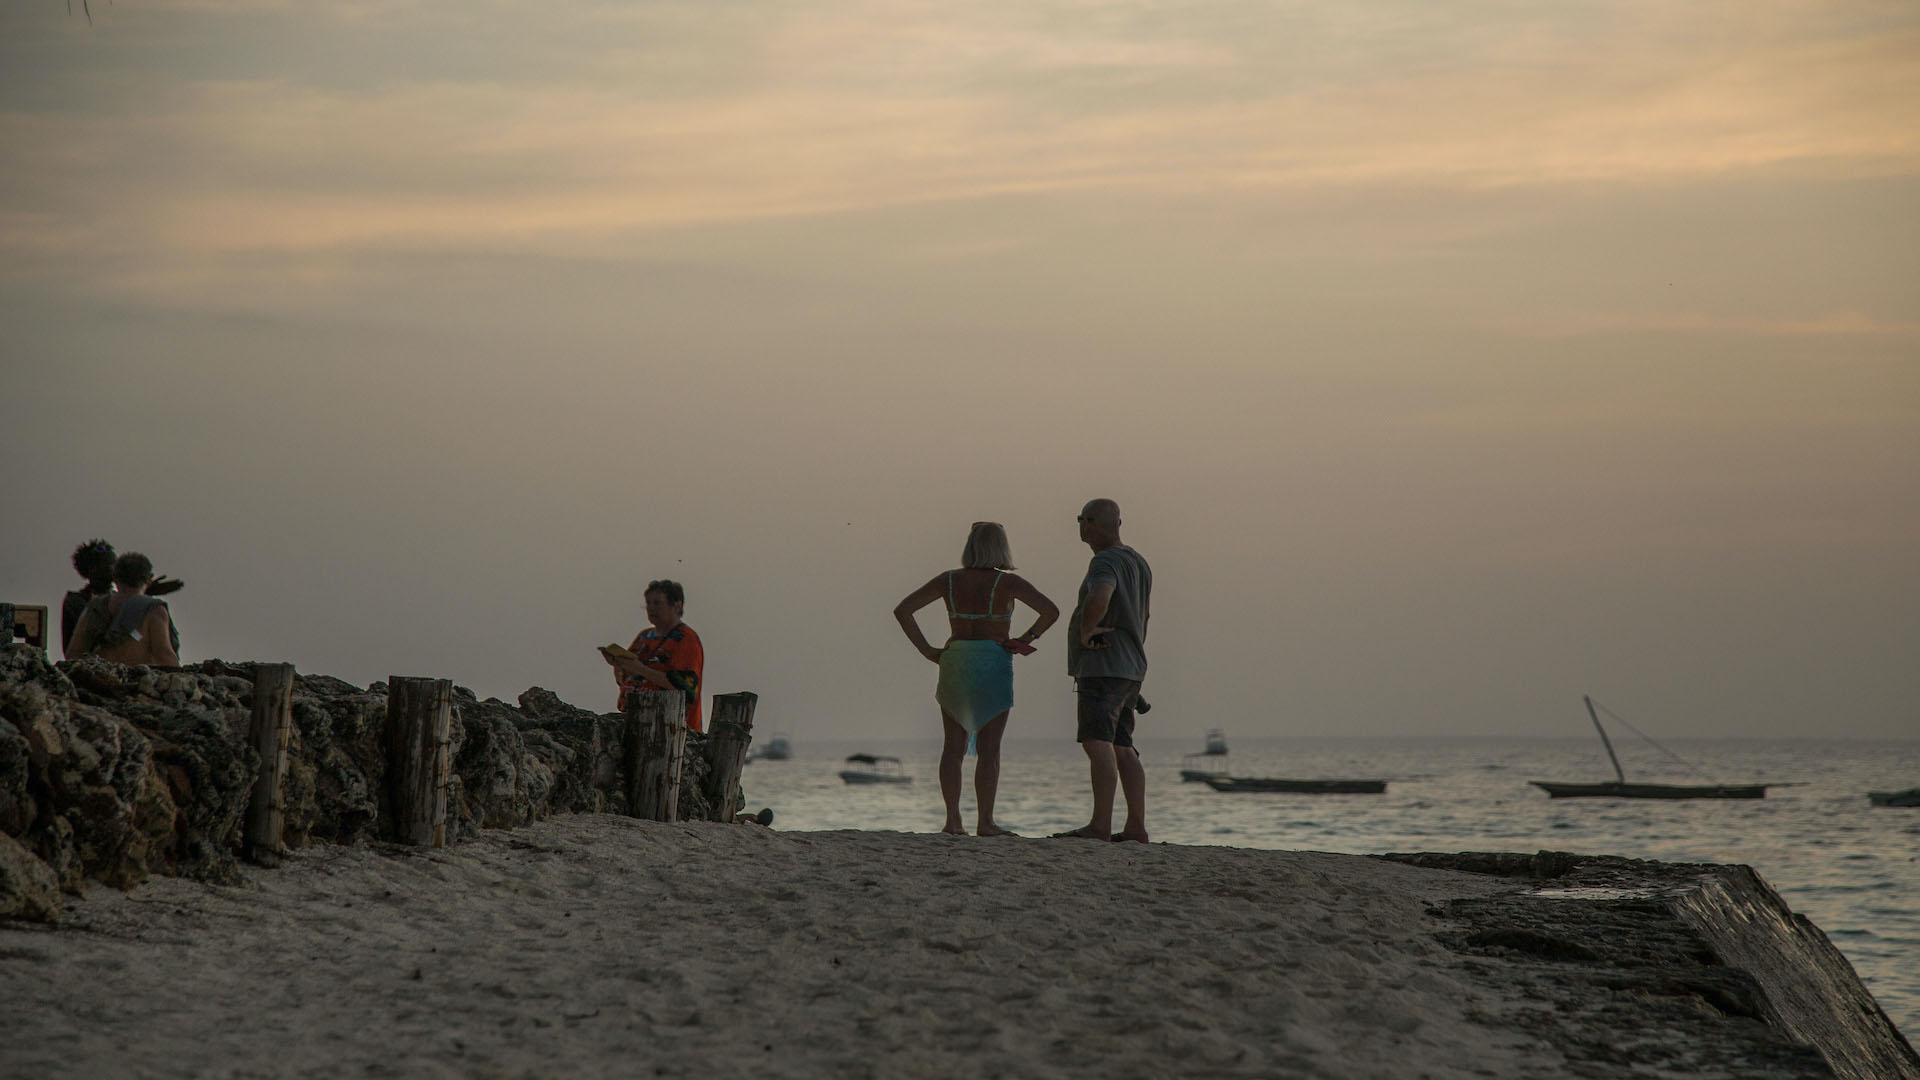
(79, 639)
(903, 613)
(1048, 612)
(1099, 596)
(159, 631)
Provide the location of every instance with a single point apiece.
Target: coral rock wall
(111, 773)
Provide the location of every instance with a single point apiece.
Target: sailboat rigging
(1621, 789)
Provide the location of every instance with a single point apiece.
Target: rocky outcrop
(112, 773)
(1634, 968)
(28, 887)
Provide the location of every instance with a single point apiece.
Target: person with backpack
(127, 626)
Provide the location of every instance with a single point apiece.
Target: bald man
(1107, 657)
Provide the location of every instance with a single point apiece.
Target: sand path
(604, 946)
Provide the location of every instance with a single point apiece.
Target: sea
(1853, 868)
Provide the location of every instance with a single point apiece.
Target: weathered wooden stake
(419, 725)
(727, 740)
(656, 745)
(272, 726)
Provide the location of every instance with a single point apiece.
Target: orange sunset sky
(1448, 361)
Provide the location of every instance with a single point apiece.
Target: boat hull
(1296, 787)
(1615, 790)
(1909, 797)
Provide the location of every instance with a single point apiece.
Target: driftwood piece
(656, 743)
(419, 724)
(727, 740)
(272, 725)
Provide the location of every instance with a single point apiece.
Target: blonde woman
(976, 664)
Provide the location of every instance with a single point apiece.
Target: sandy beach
(601, 945)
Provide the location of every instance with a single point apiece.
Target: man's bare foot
(990, 829)
(1122, 837)
(1084, 832)
(954, 828)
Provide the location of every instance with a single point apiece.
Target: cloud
(883, 105)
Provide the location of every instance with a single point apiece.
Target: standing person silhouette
(975, 692)
(1107, 657)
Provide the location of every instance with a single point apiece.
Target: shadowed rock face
(1635, 968)
(112, 773)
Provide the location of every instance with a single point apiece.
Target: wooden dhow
(1621, 789)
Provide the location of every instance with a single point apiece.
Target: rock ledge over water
(1695, 969)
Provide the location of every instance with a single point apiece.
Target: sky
(1448, 362)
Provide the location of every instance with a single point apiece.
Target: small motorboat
(1909, 797)
(1210, 761)
(777, 749)
(874, 769)
(1296, 787)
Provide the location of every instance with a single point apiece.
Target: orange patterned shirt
(678, 655)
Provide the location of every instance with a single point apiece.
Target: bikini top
(987, 614)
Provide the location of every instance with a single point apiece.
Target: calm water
(1853, 869)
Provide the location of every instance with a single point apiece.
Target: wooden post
(656, 745)
(419, 725)
(32, 621)
(728, 737)
(272, 725)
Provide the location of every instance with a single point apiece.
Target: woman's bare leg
(986, 774)
(951, 753)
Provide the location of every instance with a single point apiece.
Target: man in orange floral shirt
(668, 653)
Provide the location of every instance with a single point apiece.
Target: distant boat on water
(1297, 787)
(778, 748)
(874, 769)
(1200, 766)
(1620, 789)
(1909, 797)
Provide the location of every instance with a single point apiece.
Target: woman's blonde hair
(987, 548)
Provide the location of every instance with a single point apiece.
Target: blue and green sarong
(976, 684)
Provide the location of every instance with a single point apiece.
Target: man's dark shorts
(1106, 709)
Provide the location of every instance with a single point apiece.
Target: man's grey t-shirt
(1126, 654)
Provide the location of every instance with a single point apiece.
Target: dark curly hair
(671, 589)
(93, 560)
(132, 570)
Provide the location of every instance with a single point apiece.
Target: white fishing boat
(778, 748)
(1210, 761)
